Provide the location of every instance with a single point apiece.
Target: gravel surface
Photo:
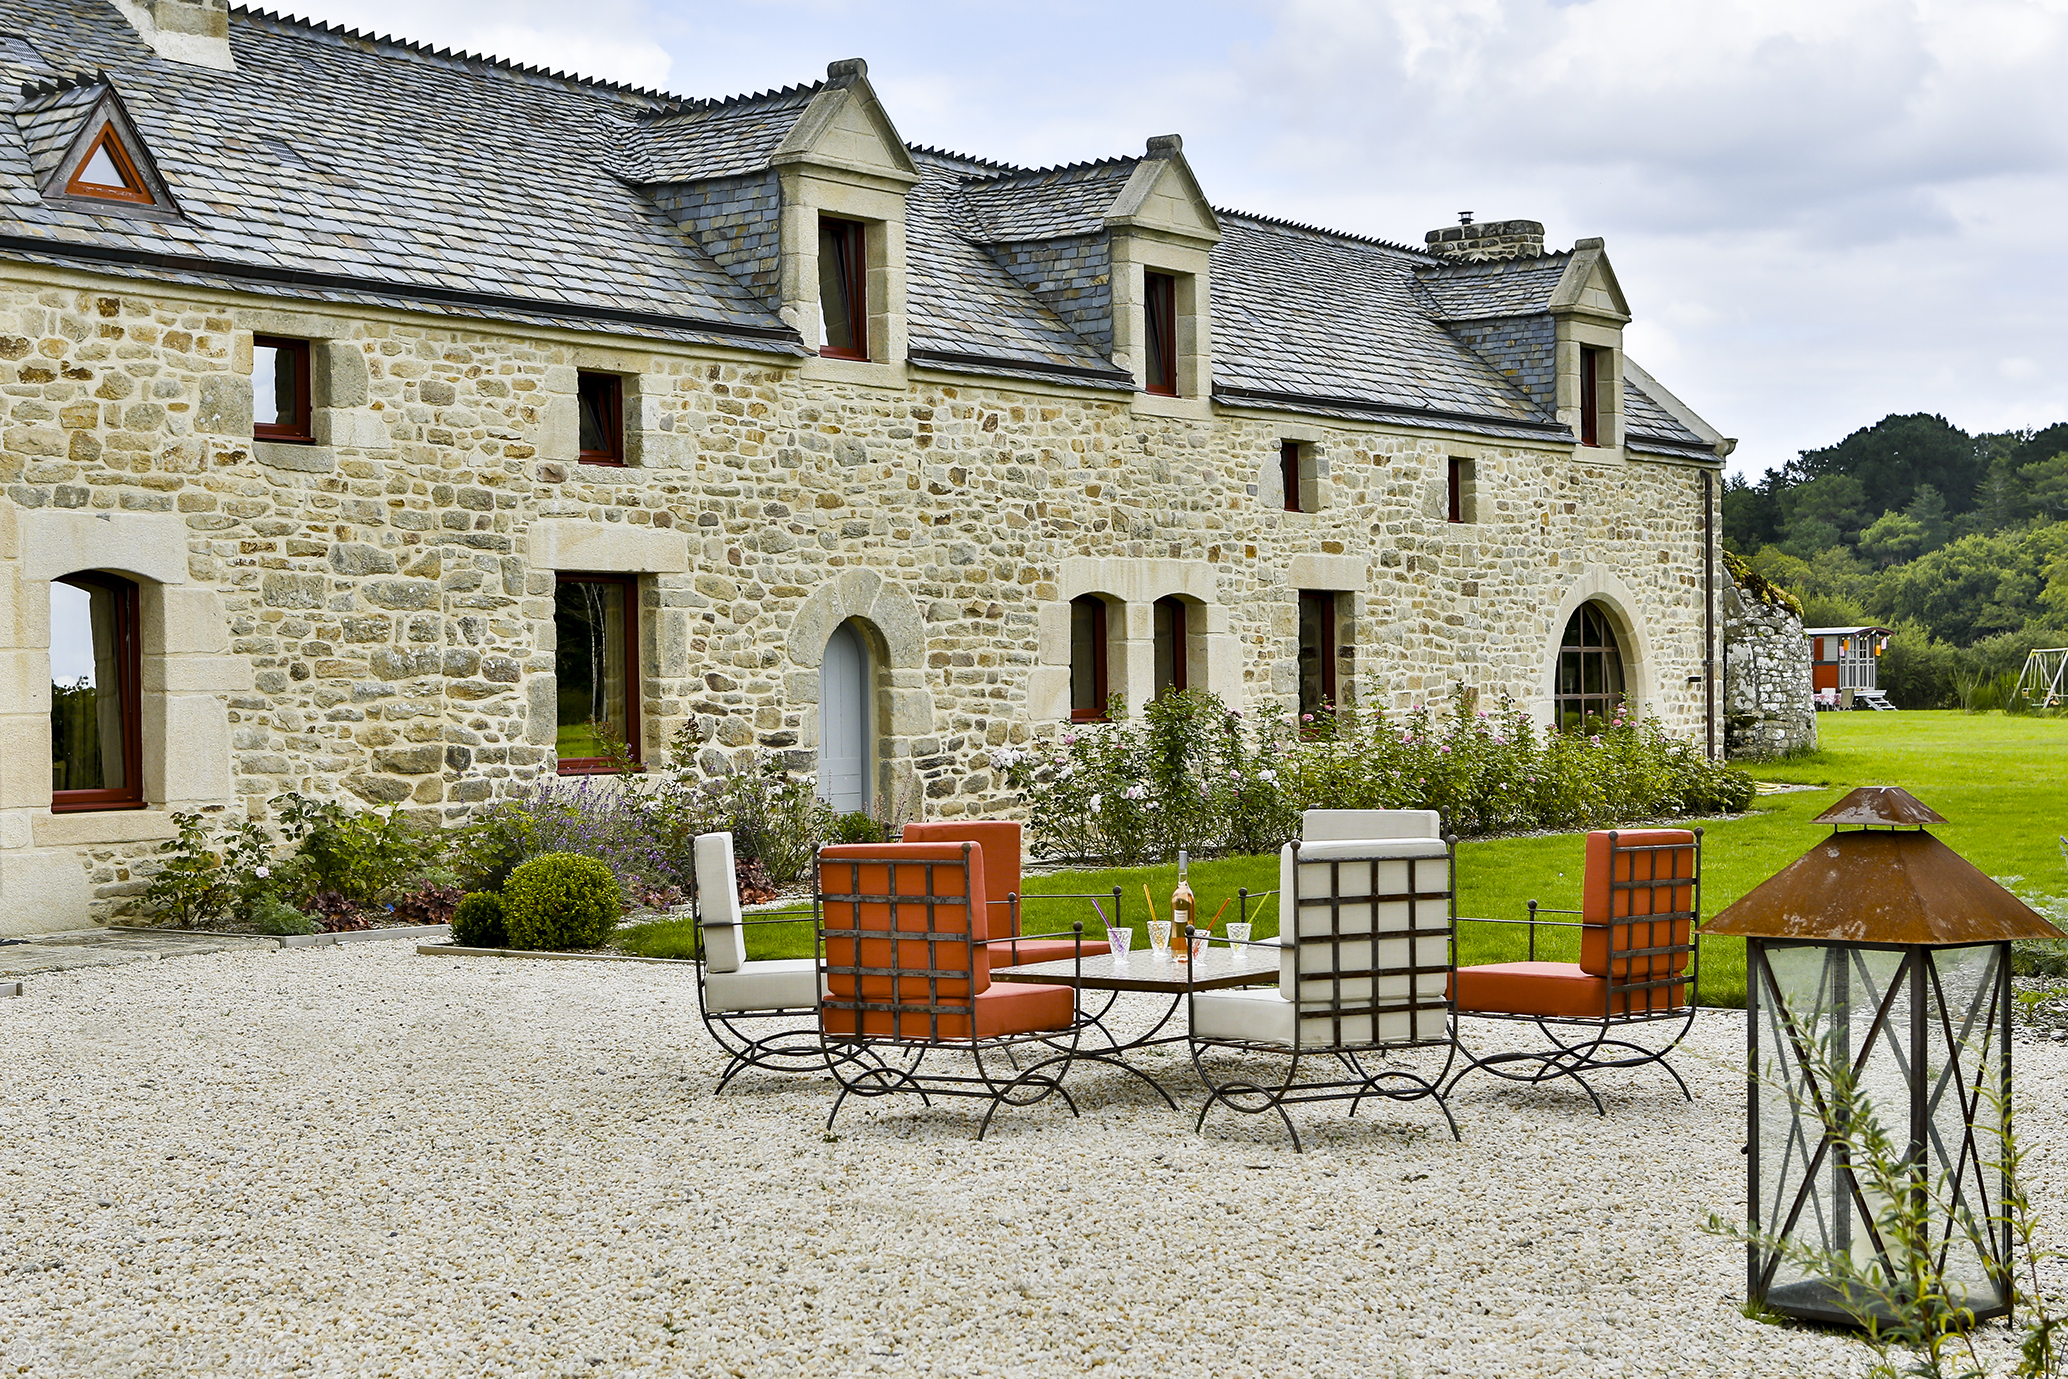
(360, 1161)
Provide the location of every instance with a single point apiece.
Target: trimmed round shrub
(478, 922)
(561, 900)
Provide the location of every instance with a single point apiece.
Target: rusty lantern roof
(1888, 882)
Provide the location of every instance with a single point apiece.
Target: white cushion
(1258, 1015)
(1362, 868)
(773, 984)
(718, 905)
(1335, 825)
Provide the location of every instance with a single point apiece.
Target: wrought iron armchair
(764, 1013)
(903, 933)
(1004, 904)
(1365, 958)
(1640, 960)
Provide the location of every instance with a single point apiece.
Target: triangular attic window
(109, 173)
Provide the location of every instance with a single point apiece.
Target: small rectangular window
(1160, 311)
(596, 660)
(1289, 474)
(1464, 490)
(1170, 646)
(1088, 694)
(1590, 395)
(602, 404)
(1317, 656)
(280, 390)
(96, 679)
(843, 290)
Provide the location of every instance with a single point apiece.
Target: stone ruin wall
(1767, 706)
(389, 629)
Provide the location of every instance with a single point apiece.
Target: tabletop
(1145, 971)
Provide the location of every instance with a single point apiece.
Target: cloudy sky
(1822, 212)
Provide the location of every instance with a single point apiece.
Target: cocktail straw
(1152, 902)
(1218, 913)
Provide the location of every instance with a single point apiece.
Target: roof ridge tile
(1278, 223)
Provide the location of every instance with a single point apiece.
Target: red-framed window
(843, 289)
(1590, 395)
(596, 661)
(1317, 655)
(280, 409)
(600, 398)
(1160, 303)
(1289, 474)
(96, 685)
(1171, 627)
(1088, 694)
(108, 173)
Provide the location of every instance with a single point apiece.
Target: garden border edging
(396, 931)
(453, 950)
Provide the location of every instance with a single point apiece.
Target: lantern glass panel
(1920, 1029)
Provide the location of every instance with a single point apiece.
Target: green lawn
(2001, 782)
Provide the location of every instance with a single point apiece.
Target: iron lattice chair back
(1365, 935)
(903, 936)
(1366, 954)
(1639, 926)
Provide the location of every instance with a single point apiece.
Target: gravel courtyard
(363, 1161)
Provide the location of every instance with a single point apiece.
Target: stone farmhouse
(400, 426)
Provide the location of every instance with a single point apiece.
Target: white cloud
(610, 40)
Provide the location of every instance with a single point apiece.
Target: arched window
(1088, 659)
(96, 684)
(1590, 669)
(845, 698)
(1171, 630)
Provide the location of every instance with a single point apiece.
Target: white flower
(1095, 801)
(262, 871)
(1134, 792)
(1005, 757)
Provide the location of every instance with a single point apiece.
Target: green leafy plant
(360, 856)
(211, 874)
(478, 922)
(856, 827)
(561, 901)
(272, 915)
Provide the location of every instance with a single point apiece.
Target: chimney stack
(193, 31)
(1496, 239)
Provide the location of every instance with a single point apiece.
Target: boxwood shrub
(478, 922)
(561, 900)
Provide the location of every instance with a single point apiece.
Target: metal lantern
(1881, 951)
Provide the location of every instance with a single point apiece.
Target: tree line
(1958, 542)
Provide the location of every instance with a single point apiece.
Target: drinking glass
(1199, 942)
(1159, 937)
(1121, 937)
(1238, 936)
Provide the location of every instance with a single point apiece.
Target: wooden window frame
(854, 282)
(1457, 490)
(1160, 334)
(129, 672)
(1289, 474)
(276, 432)
(1602, 704)
(1179, 615)
(1590, 395)
(137, 193)
(612, 416)
(634, 676)
(1325, 599)
(1102, 695)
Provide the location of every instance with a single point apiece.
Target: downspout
(1709, 608)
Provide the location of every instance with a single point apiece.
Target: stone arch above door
(866, 595)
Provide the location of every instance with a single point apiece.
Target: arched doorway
(1590, 669)
(845, 697)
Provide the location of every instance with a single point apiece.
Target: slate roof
(339, 166)
(1648, 426)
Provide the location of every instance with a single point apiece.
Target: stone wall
(381, 602)
(1767, 709)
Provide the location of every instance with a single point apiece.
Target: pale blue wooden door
(844, 721)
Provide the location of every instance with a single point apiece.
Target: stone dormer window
(843, 289)
(1590, 394)
(108, 173)
(1160, 334)
(280, 395)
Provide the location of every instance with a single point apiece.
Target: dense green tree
(1979, 585)
(1896, 454)
(1750, 514)
(1928, 510)
(1894, 537)
(1822, 513)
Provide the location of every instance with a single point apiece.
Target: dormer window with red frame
(1160, 321)
(1289, 474)
(843, 289)
(280, 390)
(601, 400)
(108, 173)
(1590, 395)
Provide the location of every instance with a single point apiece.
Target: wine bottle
(1181, 912)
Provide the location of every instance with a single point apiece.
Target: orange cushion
(1031, 950)
(1000, 840)
(1008, 1008)
(1641, 855)
(1553, 989)
(946, 970)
